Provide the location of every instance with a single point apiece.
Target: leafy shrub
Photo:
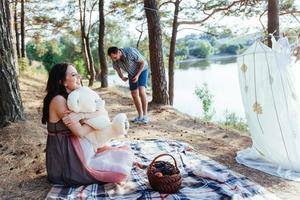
(206, 99)
(23, 64)
(201, 50)
(229, 49)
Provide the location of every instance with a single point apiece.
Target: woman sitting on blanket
(63, 165)
(69, 159)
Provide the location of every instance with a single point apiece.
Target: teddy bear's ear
(73, 101)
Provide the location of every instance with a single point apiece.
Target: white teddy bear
(85, 99)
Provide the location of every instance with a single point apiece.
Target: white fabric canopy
(272, 108)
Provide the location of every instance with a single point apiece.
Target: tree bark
(17, 34)
(159, 83)
(101, 52)
(91, 61)
(273, 19)
(11, 108)
(87, 55)
(22, 30)
(172, 51)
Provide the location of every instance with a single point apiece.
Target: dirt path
(22, 145)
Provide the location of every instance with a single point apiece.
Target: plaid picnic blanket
(235, 186)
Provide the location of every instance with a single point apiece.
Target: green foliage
(202, 49)
(202, 64)
(205, 44)
(52, 55)
(80, 66)
(233, 121)
(64, 49)
(181, 50)
(232, 49)
(287, 4)
(31, 51)
(23, 64)
(226, 33)
(206, 99)
(48, 18)
(48, 52)
(70, 48)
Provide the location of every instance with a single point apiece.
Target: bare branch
(295, 17)
(92, 26)
(80, 16)
(211, 14)
(260, 16)
(90, 19)
(110, 12)
(290, 12)
(165, 3)
(38, 29)
(198, 30)
(84, 10)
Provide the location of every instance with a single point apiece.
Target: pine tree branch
(217, 10)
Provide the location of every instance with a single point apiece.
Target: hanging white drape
(272, 108)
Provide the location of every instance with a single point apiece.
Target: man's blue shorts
(142, 81)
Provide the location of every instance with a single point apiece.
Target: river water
(221, 76)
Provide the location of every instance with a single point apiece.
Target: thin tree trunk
(172, 52)
(13, 9)
(159, 83)
(11, 108)
(22, 30)
(85, 44)
(138, 42)
(82, 34)
(101, 52)
(91, 61)
(273, 19)
(140, 36)
(17, 34)
(85, 54)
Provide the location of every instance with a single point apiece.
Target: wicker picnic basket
(167, 183)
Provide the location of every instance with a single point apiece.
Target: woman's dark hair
(113, 50)
(55, 86)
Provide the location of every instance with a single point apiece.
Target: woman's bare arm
(59, 107)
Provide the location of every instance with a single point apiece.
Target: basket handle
(164, 154)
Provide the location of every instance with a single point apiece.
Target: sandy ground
(22, 145)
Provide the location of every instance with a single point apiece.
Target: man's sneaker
(136, 120)
(144, 120)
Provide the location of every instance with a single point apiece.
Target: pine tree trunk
(17, 35)
(101, 52)
(172, 52)
(11, 108)
(87, 55)
(91, 62)
(273, 19)
(159, 83)
(22, 30)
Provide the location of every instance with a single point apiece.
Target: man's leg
(142, 83)
(143, 97)
(137, 102)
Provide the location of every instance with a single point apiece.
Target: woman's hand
(72, 117)
(83, 121)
